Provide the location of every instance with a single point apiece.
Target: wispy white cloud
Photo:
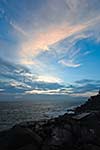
(60, 22)
(87, 52)
(42, 41)
(71, 57)
(85, 87)
(69, 63)
(50, 36)
(49, 92)
(73, 53)
(48, 79)
(18, 29)
(2, 90)
(19, 85)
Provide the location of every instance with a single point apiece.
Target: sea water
(18, 111)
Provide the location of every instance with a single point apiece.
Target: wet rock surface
(79, 131)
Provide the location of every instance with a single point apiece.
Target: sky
(49, 47)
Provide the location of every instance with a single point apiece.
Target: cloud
(86, 94)
(80, 9)
(81, 88)
(69, 63)
(48, 79)
(44, 39)
(46, 42)
(87, 53)
(19, 85)
(59, 91)
(44, 36)
(47, 24)
(49, 92)
(85, 87)
(1, 90)
(14, 71)
(71, 58)
(18, 29)
(18, 79)
(2, 12)
(85, 81)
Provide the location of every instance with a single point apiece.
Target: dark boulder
(28, 147)
(18, 137)
(58, 139)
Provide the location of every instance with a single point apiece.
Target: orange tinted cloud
(43, 39)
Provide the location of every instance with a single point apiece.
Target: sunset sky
(49, 47)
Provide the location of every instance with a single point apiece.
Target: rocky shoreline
(78, 131)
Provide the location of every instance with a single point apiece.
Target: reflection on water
(15, 112)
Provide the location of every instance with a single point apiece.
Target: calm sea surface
(19, 111)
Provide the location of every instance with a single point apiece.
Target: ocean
(19, 111)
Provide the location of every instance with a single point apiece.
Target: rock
(77, 131)
(92, 104)
(86, 136)
(90, 147)
(67, 127)
(18, 137)
(59, 138)
(28, 147)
